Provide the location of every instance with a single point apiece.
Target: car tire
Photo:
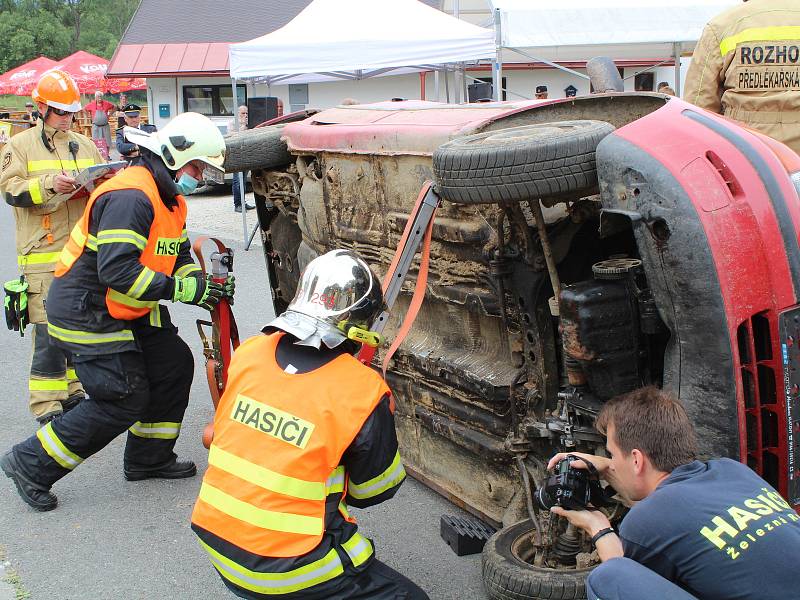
(506, 576)
(260, 148)
(519, 163)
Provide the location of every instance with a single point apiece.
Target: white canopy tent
(580, 29)
(354, 39)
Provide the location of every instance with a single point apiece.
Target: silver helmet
(337, 291)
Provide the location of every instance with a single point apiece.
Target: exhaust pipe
(604, 75)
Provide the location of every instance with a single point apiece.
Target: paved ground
(111, 539)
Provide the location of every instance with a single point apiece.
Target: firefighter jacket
(290, 452)
(116, 272)
(746, 66)
(30, 161)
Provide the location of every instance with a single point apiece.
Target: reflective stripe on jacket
(746, 66)
(26, 183)
(159, 250)
(275, 460)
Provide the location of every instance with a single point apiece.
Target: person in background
(38, 165)
(132, 115)
(123, 101)
(349, 102)
(541, 92)
(31, 115)
(324, 441)
(100, 110)
(667, 90)
(745, 66)
(661, 85)
(238, 192)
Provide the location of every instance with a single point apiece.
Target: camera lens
(543, 499)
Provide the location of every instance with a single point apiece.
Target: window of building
(298, 96)
(472, 95)
(213, 100)
(644, 82)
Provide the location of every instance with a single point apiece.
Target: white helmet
(337, 292)
(189, 136)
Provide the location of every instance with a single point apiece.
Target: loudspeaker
(479, 91)
(260, 109)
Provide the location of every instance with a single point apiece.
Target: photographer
(711, 530)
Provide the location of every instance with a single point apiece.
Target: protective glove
(230, 288)
(204, 293)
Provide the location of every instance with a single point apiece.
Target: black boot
(177, 469)
(37, 496)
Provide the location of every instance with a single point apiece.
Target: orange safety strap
(367, 353)
(416, 298)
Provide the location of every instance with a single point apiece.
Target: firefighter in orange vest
(128, 251)
(302, 431)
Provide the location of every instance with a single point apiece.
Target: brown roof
(191, 37)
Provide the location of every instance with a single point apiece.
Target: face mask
(186, 184)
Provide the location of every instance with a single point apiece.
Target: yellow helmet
(189, 136)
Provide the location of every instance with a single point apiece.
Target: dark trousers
(52, 381)
(238, 191)
(144, 392)
(625, 579)
(377, 582)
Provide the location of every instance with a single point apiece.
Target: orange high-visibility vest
(278, 440)
(163, 241)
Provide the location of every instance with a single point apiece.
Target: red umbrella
(20, 81)
(89, 72)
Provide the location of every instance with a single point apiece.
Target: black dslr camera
(573, 489)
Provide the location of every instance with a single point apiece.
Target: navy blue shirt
(719, 531)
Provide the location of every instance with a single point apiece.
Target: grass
(7, 101)
(12, 578)
(13, 102)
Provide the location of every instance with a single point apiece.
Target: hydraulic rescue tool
(224, 331)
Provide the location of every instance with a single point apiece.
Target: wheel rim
(524, 550)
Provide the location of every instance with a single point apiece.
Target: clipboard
(87, 178)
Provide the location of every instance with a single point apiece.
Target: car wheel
(519, 163)
(260, 148)
(507, 574)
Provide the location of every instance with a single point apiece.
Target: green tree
(24, 35)
(57, 28)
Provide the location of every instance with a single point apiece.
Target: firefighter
(37, 165)
(302, 431)
(128, 251)
(746, 66)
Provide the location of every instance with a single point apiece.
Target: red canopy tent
(20, 81)
(89, 72)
